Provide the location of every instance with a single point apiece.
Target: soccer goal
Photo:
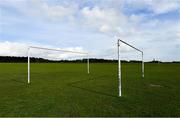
(119, 62)
(56, 50)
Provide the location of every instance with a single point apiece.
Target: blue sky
(92, 25)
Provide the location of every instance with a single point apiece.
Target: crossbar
(131, 46)
(61, 50)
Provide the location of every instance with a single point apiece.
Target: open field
(67, 90)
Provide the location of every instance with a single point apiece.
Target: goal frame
(119, 62)
(56, 50)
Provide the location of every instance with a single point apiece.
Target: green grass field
(67, 90)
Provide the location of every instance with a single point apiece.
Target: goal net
(41, 54)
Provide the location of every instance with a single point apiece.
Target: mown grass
(67, 90)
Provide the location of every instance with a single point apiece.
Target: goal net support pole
(119, 63)
(59, 50)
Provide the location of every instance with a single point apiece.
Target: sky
(93, 26)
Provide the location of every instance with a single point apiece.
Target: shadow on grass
(93, 91)
(18, 81)
(90, 90)
(84, 80)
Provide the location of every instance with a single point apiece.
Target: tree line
(13, 59)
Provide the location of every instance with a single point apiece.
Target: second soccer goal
(49, 53)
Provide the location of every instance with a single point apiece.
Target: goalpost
(119, 62)
(57, 50)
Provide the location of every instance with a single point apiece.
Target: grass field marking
(155, 85)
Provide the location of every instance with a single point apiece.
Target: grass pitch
(65, 89)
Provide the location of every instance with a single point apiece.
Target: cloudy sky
(92, 25)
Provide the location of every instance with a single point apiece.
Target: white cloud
(13, 49)
(43, 10)
(164, 6)
(56, 12)
(147, 34)
(20, 49)
(105, 20)
(156, 6)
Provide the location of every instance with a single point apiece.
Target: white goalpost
(57, 50)
(119, 63)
